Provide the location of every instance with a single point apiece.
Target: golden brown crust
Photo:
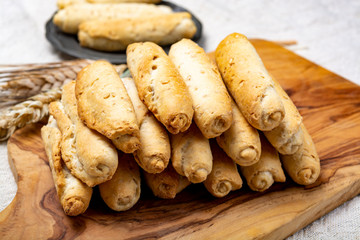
(117, 34)
(191, 155)
(74, 195)
(92, 165)
(224, 176)
(97, 155)
(105, 106)
(51, 137)
(122, 1)
(160, 86)
(249, 82)
(304, 165)
(241, 141)
(287, 138)
(69, 18)
(154, 154)
(140, 109)
(167, 183)
(68, 147)
(65, 3)
(211, 100)
(261, 175)
(122, 191)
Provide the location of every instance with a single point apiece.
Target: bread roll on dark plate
(105, 106)
(123, 1)
(65, 3)
(73, 194)
(69, 18)
(249, 82)
(211, 100)
(116, 34)
(160, 86)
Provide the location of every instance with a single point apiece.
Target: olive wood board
(330, 106)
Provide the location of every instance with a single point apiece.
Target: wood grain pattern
(330, 106)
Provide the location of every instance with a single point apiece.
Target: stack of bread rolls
(112, 25)
(181, 119)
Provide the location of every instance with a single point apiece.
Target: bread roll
(304, 165)
(191, 155)
(224, 176)
(122, 191)
(287, 138)
(261, 175)
(166, 184)
(122, 1)
(117, 34)
(241, 141)
(87, 154)
(154, 154)
(73, 194)
(65, 3)
(211, 101)
(249, 82)
(69, 18)
(105, 106)
(160, 86)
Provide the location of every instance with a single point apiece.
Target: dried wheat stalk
(30, 111)
(35, 108)
(19, 82)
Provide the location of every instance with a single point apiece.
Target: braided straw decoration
(35, 108)
(30, 111)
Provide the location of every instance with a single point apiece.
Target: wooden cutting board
(330, 106)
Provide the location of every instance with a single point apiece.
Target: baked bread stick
(160, 86)
(261, 175)
(116, 34)
(69, 18)
(105, 106)
(123, 1)
(73, 194)
(122, 191)
(87, 154)
(287, 138)
(191, 155)
(304, 165)
(154, 154)
(224, 176)
(249, 82)
(166, 184)
(241, 141)
(65, 3)
(211, 100)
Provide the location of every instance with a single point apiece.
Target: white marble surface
(327, 32)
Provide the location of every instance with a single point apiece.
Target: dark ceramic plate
(69, 44)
